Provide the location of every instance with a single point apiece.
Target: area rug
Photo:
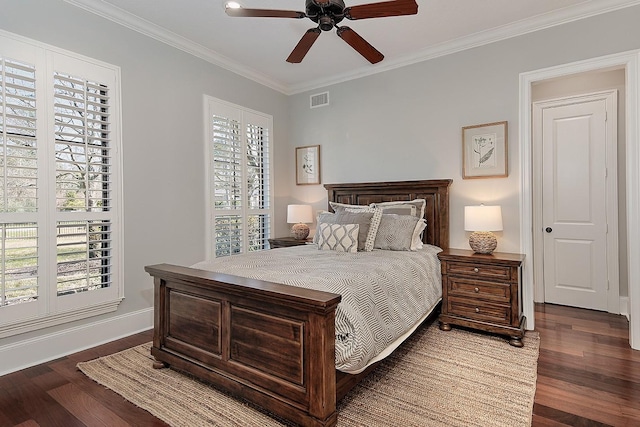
(436, 378)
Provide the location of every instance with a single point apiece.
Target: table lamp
(482, 220)
(299, 215)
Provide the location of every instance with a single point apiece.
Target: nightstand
(285, 242)
(482, 292)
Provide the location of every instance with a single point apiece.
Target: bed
(223, 328)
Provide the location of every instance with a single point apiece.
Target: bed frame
(268, 343)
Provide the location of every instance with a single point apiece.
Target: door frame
(611, 192)
(629, 61)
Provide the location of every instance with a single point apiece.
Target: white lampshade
(482, 218)
(299, 214)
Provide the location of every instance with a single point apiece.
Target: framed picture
(484, 151)
(308, 165)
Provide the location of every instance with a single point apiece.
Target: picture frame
(308, 165)
(484, 151)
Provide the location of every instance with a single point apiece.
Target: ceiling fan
(327, 14)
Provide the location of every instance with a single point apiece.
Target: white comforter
(384, 293)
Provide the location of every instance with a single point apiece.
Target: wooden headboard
(434, 191)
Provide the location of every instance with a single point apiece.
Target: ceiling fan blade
(361, 45)
(264, 13)
(380, 10)
(303, 46)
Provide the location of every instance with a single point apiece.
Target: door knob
(548, 229)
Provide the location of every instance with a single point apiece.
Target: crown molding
(540, 22)
(142, 26)
(529, 25)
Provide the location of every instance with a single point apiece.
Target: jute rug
(436, 378)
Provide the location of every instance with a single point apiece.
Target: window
(238, 179)
(59, 199)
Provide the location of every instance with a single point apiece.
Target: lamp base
(483, 242)
(300, 231)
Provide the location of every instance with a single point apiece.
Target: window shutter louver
(18, 137)
(19, 263)
(19, 175)
(82, 145)
(258, 187)
(83, 253)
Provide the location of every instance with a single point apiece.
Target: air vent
(319, 99)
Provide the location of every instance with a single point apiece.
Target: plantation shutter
(83, 184)
(19, 175)
(60, 234)
(239, 179)
(258, 178)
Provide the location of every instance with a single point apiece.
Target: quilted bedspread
(384, 293)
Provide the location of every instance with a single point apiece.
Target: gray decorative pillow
(395, 232)
(363, 219)
(373, 228)
(338, 237)
(419, 205)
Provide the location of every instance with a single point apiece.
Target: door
(576, 145)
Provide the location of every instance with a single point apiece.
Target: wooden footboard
(271, 344)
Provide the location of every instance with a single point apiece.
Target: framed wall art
(484, 151)
(308, 165)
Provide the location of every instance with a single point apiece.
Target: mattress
(385, 294)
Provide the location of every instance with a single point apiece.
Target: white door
(576, 143)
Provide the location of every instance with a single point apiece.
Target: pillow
(339, 207)
(363, 219)
(373, 228)
(396, 232)
(338, 237)
(419, 205)
(416, 239)
(399, 210)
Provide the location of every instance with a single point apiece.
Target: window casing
(239, 179)
(60, 192)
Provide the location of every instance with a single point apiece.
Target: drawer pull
(476, 290)
(476, 270)
(477, 310)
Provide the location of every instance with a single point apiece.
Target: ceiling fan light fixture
(232, 5)
(326, 23)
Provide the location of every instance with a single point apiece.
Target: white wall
(162, 122)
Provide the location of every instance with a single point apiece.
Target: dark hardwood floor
(587, 376)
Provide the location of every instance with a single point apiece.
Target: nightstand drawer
(479, 270)
(477, 289)
(479, 310)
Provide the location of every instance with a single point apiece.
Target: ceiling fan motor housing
(326, 13)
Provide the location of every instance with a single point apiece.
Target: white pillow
(338, 237)
(416, 240)
(419, 204)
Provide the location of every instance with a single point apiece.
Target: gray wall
(397, 125)
(406, 123)
(163, 133)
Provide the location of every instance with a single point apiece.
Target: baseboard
(34, 351)
(624, 307)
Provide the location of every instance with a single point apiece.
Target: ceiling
(257, 47)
